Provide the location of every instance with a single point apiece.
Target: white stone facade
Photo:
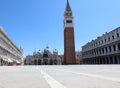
(78, 56)
(68, 20)
(44, 58)
(103, 50)
(10, 54)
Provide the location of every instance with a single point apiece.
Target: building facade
(103, 50)
(78, 56)
(44, 58)
(10, 54)
(69, 45)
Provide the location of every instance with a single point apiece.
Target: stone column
(86, 62)
(108, 49)
(105, 60)
(118, 60)
(109, 60)
(117, 47)
(112, 49)
(113, 59)
(102, 60)
(90, 61)
(94, 61)
(98, 52)
(105, 51)
(98, 60)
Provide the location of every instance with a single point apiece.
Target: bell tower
(69, 45)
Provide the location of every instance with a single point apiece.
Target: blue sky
(34, 24)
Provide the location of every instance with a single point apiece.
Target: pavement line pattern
(91, 75)
(51, 81)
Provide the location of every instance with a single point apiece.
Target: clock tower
(69, 45)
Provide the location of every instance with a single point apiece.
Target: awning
(17, 62)
(4, 58)
(9, 60)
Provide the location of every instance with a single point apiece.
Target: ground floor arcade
(113, 59)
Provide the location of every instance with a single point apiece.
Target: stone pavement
(71, 76)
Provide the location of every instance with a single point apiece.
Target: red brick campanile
(69, 45)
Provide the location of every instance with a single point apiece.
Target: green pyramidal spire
(68, 6)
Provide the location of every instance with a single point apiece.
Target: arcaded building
(10, 54)
(103, 50)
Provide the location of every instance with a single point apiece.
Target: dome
(55, 51)
(46, 50)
